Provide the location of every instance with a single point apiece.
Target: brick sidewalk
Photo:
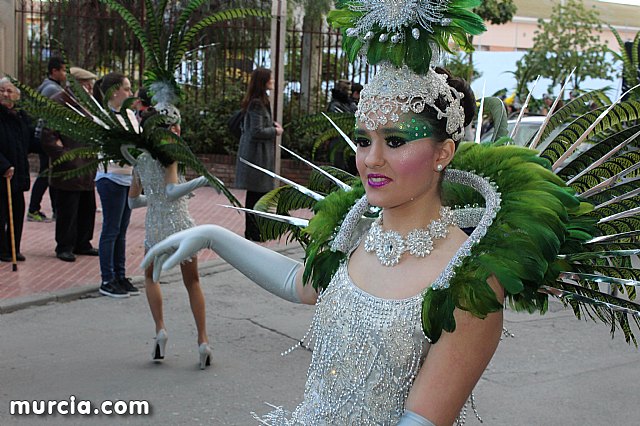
(43, 273)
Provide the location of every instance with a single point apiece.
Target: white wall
(7, 38)
(496, 67)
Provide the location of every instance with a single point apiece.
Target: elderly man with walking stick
(16, 141)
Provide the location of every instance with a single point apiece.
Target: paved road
(556, 371)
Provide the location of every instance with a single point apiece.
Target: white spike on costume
(334, 179)
(297, 186)
(514, 132)
(536, 140)
(291, 220)
(343, 134)
(480, 113)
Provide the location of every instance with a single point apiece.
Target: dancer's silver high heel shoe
(160, 345)
(205, 355)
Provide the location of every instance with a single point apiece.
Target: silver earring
(439, 167)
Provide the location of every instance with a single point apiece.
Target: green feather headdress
(405, 32)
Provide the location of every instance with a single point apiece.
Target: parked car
(526, 130)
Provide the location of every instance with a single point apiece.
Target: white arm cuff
(177, 190)
(409, 418)
(136, 202)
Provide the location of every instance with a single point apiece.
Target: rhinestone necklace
(389, 246)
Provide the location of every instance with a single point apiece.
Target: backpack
(235, 123)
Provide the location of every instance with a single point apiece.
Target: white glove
(177, 190)
(270, 270)
(136, 202)
(409, 418)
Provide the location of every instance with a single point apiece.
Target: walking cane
(13, 236)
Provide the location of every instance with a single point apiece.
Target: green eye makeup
(415, 128)
(407, 130)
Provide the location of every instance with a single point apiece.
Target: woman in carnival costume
(408, 307)
(165, 193)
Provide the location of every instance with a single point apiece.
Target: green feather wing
(622, 114)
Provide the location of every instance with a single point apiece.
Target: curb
(208, 268)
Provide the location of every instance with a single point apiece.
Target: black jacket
(84, 182)
(16, 141)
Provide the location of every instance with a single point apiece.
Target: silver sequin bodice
(164, 217)
(367, 352)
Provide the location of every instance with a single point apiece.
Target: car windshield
(526, 130)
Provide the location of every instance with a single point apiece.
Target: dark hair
(257, 87)
(356, 87)
(468, 103)
(105, 83)
(143, 94)
(55, 63)
(162, 157)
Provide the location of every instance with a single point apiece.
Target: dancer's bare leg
(154, 297)
(196, 298)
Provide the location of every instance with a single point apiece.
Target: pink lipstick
(377, 181)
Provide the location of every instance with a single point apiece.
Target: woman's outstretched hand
(271, 270)
(177, 248)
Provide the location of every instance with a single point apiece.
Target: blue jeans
(115, 220)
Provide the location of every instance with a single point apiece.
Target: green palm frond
(601, 311)
(620, 206)
(275, 202)
(620, 258)
(88, 102)
(598, 150)
(617, 226)
(608, 169)
(59, 117)
(291, 199)
(495, 107)
(579, 105)
(164, 54)
(176, 55)
(623, 113)
(321, 184)
(179, 29)
(88, 168)
(81, 152)
(614, 246)
(318, 122)
(153, 24)
(609, 271)
(138, 30)
(630, 63)
(274, 230)
(619, 190)
(322, 131)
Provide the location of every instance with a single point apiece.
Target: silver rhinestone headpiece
(394, 91)
(395, 15)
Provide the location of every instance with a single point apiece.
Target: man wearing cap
(75, 197)
(51, 86)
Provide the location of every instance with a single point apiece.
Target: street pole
(278, 37)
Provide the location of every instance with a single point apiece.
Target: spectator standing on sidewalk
(342, 103)
(50, 87)
(75, 196)
(257, 145)
(16, 141)
(113, 182)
